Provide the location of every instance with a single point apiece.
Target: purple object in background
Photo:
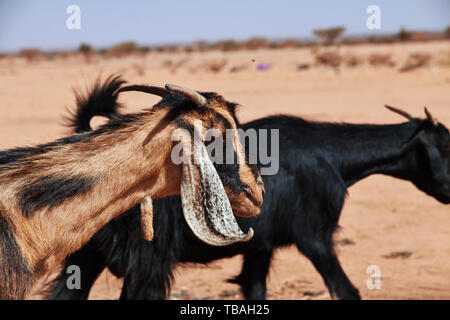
(263, 66)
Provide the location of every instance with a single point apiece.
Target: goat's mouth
(247, 205)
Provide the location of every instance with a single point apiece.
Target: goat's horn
(430, 117)
(192, 95)
(400, 112)
(152, 89)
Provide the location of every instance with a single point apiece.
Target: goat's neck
(125, 167)
(375, 149)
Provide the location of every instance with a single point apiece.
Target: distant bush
(328, 58)
(124, 49)
(145, 49)
(382, 39)
(170, 48)
(30, 54)
(404, 35)
(201, 46)
(290, 43)
(238, 68)
(226, 45)
(447, 32)
(86, 50)
(351, 60)
(188, 49)
(381, 59)
(416, 61)
(103, 51)
(329, 35)
(216, 66)
(256, 43)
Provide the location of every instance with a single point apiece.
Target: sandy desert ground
(381, 216)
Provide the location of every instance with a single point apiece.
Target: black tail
(99, 101)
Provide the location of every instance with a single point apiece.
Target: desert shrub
(382, 39)
(30, 54)
(329, 35)
(103, 51)
(238, 68)
(274, 45)
(290, 43)
(50, 55)
(381, 59)
(86, 50)
(216, 66)
(328, 58)
(447, 32)
(415, 61)
(188, 49)
(145, 49)
(124, 49)
(352, 60)
(354, 40)
(226, 45)
(201, 46)
(170, 48)
(421, 36)
(256, 43)
(404, 35)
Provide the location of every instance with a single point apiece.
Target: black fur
(51, 191)
(101, 99)
(302, 206)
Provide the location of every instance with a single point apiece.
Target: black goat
(302, 205)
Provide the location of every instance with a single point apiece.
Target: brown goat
(56, 196)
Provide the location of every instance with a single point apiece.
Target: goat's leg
(91, 263)
(324, 259)
(147, 218)
(149, 277)
(252, 278)
(136, 288)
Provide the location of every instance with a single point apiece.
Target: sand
(381, 215)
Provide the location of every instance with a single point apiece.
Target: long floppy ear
(206, 206)
(438, 169)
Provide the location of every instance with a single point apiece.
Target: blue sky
(33, 23)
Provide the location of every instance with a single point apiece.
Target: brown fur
(48, 236)
(125, 162)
